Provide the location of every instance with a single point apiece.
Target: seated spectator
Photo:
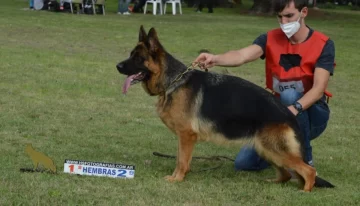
(209, 4)
(123, 7)
(138, 8)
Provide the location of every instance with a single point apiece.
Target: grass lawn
(60, 91)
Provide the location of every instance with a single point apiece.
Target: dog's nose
(120, 66)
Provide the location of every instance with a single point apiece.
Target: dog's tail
(319, 182)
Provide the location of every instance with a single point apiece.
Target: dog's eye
(139, 59)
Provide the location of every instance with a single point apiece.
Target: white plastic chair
(173, 3)
(154, 3)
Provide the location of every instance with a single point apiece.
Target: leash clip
(200, 65)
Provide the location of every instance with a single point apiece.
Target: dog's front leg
(187, 140)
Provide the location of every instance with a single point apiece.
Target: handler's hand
(206, 60)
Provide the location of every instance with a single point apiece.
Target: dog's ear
(142, 35)
(154, 43)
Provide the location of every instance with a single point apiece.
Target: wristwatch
(298, 107)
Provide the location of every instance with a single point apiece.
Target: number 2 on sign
(121, 173)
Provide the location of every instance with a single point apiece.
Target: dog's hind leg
(300, 179)
(187, 140)
(277, 144)
(282, 175)
(307, 172)
(284, 161)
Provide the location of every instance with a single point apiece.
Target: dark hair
(280, 5)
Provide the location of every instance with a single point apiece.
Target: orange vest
(299, 77)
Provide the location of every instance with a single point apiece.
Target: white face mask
(290, 28)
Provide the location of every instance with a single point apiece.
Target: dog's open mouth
(132, 79)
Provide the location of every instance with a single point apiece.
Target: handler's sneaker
(126, 13)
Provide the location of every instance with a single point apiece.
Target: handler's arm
(323, 70)
(321, 79)
(238, 57)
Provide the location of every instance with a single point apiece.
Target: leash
(217, 158)
(189, 68)
(37, 170)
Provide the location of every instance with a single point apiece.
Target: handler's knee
(248, 159)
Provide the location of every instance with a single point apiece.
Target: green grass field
(60, 91)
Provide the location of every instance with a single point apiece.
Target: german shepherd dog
(205, 106)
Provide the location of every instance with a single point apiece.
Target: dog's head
(145, 64)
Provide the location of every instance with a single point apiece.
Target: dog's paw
(270, 180)
(279, 180)
(171, 178)
(273, 180)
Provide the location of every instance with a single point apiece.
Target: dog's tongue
(127, 83)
